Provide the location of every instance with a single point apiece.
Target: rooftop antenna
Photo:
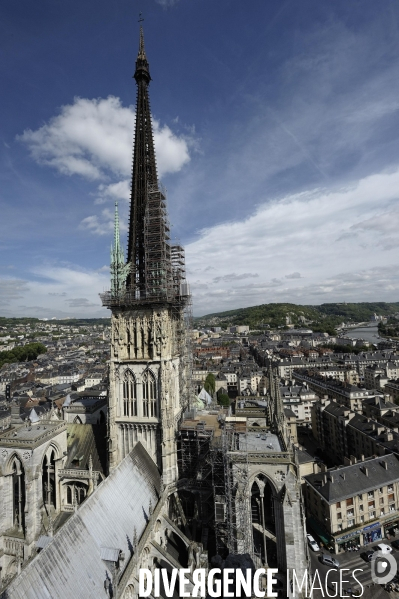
(140, 17)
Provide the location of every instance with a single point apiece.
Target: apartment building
(357, 503)
(344, 393)
(345, 433)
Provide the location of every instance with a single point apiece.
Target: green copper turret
(119, 270)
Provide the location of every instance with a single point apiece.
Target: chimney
(16, 412)
(343, 475)
(384, 464)
(354, 460)
(365, 470)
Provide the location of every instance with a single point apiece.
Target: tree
(223, 400)
(22, 353)
(210, 384)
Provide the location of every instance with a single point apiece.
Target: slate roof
(348, 481)
(381, 402)
(289, 413)
(85, 440)
(336, 409)
(304, 457)
(70, 566)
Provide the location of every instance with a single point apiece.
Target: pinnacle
(141, 44)
(142, 66)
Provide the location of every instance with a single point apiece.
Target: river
(368, 333)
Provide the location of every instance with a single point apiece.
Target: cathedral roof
(85, 440)
(70, 566)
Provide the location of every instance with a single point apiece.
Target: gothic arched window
(129, 394)
(18, 486)
(76, 493)
(48, 479)
(149, 395)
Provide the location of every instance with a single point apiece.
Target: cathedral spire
(154, 269)
(144, 171)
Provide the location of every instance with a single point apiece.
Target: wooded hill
(323, 318)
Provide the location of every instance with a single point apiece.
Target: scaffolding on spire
(154, 269)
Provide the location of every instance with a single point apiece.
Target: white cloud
(171, 151)
(385, 227)
(93, 138)
(12, 289)
(81, 302)
(57, 290)
(114, 191)
(294, 275)
(326, 236)
(100, 225)
(87, 138)
(233, 277)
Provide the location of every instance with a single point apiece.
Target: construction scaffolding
(235, 452)
(158, 275)
(195, 439)
(183, 316)
(195, 471)
(221, 520)
(213, 462)
(231, 491)
(164, 264)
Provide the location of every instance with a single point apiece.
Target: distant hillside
(323, 318)
(7, 322)
(80, 322)
(76, 322)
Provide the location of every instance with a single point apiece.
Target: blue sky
(277, 137)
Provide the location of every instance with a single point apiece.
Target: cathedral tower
(148, 301)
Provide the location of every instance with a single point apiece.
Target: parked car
(328, 560)
(383, 547)
(312, 543)
(395, 544)
(367, 555)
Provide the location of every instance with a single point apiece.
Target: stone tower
(148, 301)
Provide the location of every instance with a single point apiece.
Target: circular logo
(383, 567)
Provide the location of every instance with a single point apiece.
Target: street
(352, 561)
